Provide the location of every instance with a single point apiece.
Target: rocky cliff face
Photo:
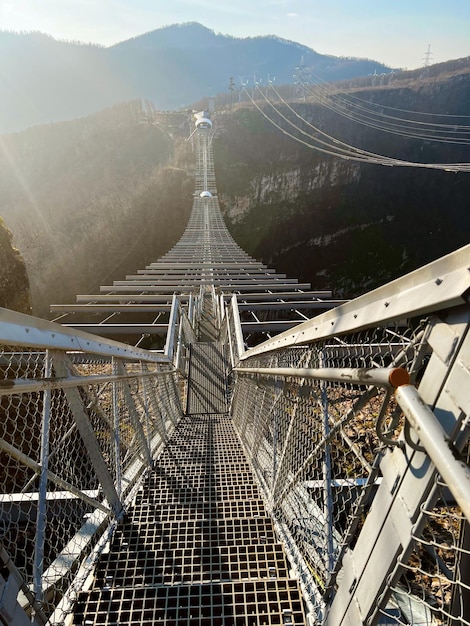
(339, 224)
(91, 200)
(14, 284)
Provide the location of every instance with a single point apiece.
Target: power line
(362, 113)
(332, 146)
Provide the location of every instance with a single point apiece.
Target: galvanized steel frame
(369, 573)
(60, 349)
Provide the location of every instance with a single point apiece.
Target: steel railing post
(327, 489)
(116, 431)
(191, 309)
(41, 519)
(229, 336)
(237, 326)
(170, 339)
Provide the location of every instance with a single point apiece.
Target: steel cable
(347, 151)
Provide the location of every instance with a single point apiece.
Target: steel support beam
(89, 438)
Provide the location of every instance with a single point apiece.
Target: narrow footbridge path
(198, 546)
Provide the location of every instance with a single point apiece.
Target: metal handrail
(379, 377)
(439, 285)
(453, 470)
(18, 329)
(9, 387)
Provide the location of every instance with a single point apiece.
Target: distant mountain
(44, 80)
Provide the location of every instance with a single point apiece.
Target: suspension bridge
(271, 456)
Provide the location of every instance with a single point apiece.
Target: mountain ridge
(206, 35)
(47, 80)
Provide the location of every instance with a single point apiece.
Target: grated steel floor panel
(262, 602)
(197, 547)
(191, 565)
(206, 386)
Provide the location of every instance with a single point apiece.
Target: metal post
(327, 490)
(191, 309)
(41, 520)
(116, 432)
(229, 337)
(146, 405)
(221, 307)
(179, 341)
(461, 593)
(278, 386)
(200, 303)
(170, 340)
(237, 326)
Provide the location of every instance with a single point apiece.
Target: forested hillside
(92, 199)
(341, 224)
(14, 285)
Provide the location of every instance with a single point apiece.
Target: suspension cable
(327, 86)
(445, 133)
(347, 151)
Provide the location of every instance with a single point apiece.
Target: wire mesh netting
(437, 572)
(316, 448)
(53, 502)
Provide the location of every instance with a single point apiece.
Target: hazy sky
(396, 32)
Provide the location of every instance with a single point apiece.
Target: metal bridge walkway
(206, 384)
(128, 479)
(197, 546)
(206, 380)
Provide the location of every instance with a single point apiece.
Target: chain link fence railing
(78, 430)
(352, 470)
(356, 424)
(313, 443)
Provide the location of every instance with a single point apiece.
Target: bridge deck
(198, 546)
(206, 385)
